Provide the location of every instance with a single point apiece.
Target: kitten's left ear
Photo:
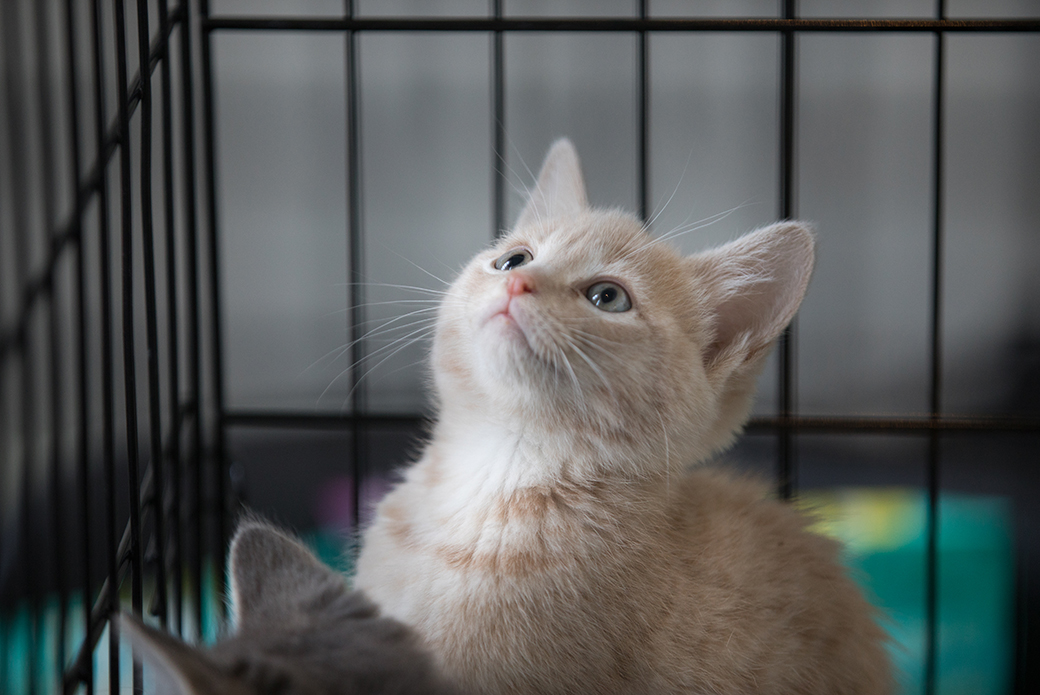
(275, 578)
(560, 190)
(177, 668)
(752, 289)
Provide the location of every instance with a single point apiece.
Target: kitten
(300, 631)
(550, 539)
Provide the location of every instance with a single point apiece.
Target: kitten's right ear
(177, 668)
(274, 578)
(560, 190)
(752, 289)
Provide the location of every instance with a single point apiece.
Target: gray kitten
(299, 631)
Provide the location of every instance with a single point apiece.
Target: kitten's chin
(508, 367)
(508, 345)
(503, 328)
(506, 357)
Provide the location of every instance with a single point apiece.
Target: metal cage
(116, 486)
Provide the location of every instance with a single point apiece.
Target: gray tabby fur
(299, 631)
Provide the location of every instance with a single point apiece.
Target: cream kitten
(551, 538)
(299, 632)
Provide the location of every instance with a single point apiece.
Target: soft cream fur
(551, 538)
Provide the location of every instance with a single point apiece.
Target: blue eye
(609, 296)
(513, 259)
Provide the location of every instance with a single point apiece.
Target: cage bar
(786, 459)
(617, 24)
(498, 126)
(643, 146)
(155, 553)
(218, 472)
(931, 659)
(107, 357)
(355, 249)
(176, 497)
(173, 449)
(80, 366)
(53, 331)
(192, 511)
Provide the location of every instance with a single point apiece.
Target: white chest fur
(499, 566)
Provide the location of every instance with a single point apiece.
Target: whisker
(384, 303)
(376, 366)
(556, 365)
(523, 163)
(577, 384)
(413, 288)
(595, 368)
(509, 172)
(410, 340)
(423, 327)
(590, 343)
(409, 260)
(423, 323)
(400, 369)
(378, 330)
(597, 338)
(686, 229)
(667, 456)
(700, 224)
(646, 226)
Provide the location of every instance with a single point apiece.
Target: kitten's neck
(510, 452)
(492, 484)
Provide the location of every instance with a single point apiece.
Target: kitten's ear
(560, 190)
(274, 577)
(176, 668)
(753, 287)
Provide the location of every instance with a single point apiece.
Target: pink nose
(518, 284)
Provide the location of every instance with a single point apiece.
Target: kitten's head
(299, 631)
(578, 320)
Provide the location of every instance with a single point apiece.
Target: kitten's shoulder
(725, 489)
(739, 513)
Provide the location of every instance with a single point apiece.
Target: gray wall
(864, 149)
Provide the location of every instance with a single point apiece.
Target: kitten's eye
(609, 296)
(513, 259)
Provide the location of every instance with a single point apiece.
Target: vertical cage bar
(4, 648)
(6, 414)
(356, 351)
(173, 562)
(82, 403)
(17, 137)
(218, 456)
(643, 166)
(49, 221)
(935, 395)
(6, 352)
(193, 322)
(498, 105)
(786, 472)
(156, 557)
(129, 366)
(107, 347)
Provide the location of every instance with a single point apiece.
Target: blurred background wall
(864, 149)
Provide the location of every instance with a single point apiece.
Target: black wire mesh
(109, 413)
(112, 417)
